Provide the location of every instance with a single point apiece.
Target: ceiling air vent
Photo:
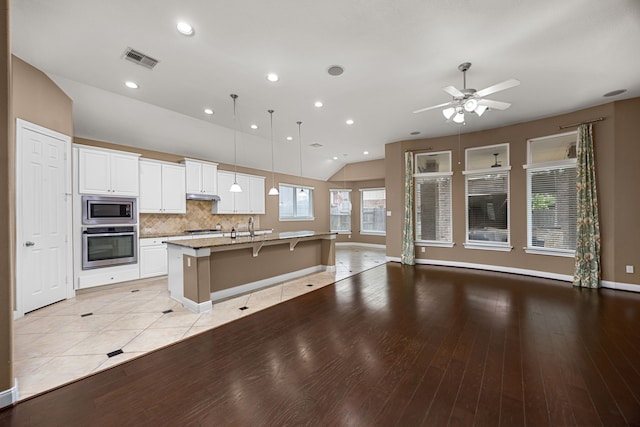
(140, 58)
(315, 145)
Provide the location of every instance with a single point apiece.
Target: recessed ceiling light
(289, 138)
(254, 126)
(131, 85)
(185, 28)
(318, 104)
(273, 77)
(335, 157)
(208, 111)
(615, 92)
(349, 122)
(366, 153)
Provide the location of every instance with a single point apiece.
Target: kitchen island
(203, 270)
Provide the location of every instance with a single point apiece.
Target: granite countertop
(196, 235)
(199, 243)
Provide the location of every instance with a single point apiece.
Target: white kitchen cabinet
(202, 177)
(108, 172)
(162, 188)
(249, 201)
(153, 257)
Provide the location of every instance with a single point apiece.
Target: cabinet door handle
(29, 243)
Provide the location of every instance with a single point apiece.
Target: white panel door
(94, 172)
(257, 195)
(209, 179)
(43, 223)
(124, 175)
(226, 205)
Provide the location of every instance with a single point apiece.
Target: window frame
(530, 168)
(373, 232)
(343, 190)
(470, 173)
(448, 173)
(296, 188)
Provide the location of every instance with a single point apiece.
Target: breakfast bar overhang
(211, 269)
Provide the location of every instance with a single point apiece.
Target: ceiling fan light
(480, 109)
(273, 191)
(470, 105)
(448, 112)
(459, 117)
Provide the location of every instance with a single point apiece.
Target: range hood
(200, 196)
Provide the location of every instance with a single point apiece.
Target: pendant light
(300, 142)
(235, 187)
(273, 191)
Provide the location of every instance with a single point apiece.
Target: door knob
(29, 243)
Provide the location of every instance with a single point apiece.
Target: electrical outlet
(388, 213)
(349, 235)
(629, 268)
(422, 249)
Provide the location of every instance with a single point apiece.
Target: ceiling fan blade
(498, 87)
(431, 108)
(453, 92)
(496, 105)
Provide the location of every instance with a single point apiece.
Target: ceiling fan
(471, 100)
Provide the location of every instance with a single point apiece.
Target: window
(433, 198)
(373, 211)
(296, 202)
(551, 195)
(487, 196)
(340, 210)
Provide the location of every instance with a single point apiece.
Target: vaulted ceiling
(397, 55)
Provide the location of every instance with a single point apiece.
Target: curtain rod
(599, 119)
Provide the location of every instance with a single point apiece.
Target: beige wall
(34, 98)
(6, 194)
(617, 155)
(362, 171)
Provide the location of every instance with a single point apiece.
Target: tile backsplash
(198, 217)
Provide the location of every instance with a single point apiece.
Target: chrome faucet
(252, 232)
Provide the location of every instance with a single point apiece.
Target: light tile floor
(74, 338)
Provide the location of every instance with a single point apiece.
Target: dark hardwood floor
(394, 345)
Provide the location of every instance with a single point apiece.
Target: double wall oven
(109, 231)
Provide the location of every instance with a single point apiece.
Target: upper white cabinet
(249, 201)
(109, 172)
(202, 177)
(162, 188)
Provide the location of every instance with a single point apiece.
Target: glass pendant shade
(448, 112)
(273, 191)
(459, 117)
(235, 188)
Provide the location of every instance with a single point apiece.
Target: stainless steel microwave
(108, 210)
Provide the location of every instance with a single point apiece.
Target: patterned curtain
(587, 271)
(408, 250)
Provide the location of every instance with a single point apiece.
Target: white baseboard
(362, 245)
(253, 286)
(195, 307)
(525, 272)
(9, 397)
(620, 286)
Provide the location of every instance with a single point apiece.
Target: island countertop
(200, 243)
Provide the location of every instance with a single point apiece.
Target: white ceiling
(397, 56)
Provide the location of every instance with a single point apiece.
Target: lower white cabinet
(153, 257)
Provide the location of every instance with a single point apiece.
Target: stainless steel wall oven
(108, 246)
